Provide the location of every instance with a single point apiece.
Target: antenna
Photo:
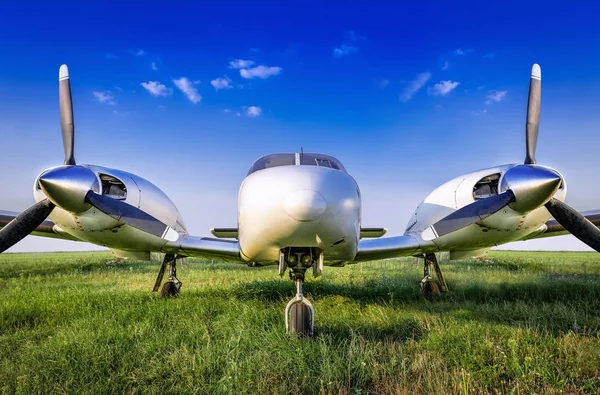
(301, 155)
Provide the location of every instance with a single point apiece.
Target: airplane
(300, 211)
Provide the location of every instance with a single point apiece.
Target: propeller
(24, 224)
(526, 187)
(131, 215)
(74, 188)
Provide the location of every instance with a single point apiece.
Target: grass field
(77, 323)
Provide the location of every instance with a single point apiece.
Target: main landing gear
(429, 287)
(172, 286)
(299, 312)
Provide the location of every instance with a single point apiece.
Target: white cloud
(104, 97)
(414, 86)
(240, 64)
(383, 83)
(187, 87)
(344, 50)
(495, 96)
(355, 37)
(139, 52)
(154, 67)
(445, 66)
(489, 55)
(461, 52)
(260, 72)
(221, 83)
(253, 111)
(156, 88)
(442, 88)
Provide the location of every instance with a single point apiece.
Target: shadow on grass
(554, 304)
(408, 330)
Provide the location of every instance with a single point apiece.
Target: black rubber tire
(300, 319)
(431, 290)
(169, 289)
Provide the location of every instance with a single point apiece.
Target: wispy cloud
(138, 52)
(221, 83)
(187, 87)
(111, 56)
(414, 86)
(445, 66)
(382, 83)
(240, 64)
(104, 97)
(442, 88)
(489, 55)
(154, 66)
(350, 47)
(355, 37)
(253, 111)
(260, 72)
(156, 88)
(495, 96)
(461, 52)
(344, 50)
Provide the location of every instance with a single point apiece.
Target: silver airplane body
(300, 211)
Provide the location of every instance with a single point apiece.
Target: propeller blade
(131, 215)
(66, 114)
(24, 224)
(468, 215)
(575, 223)
(533, 113)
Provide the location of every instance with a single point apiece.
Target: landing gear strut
(429, 287)
(172, 286)
(299, 312)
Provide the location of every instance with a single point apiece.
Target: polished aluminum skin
(298, 206)
(66, 186)
(532, 185)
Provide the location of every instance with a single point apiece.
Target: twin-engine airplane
(299, 211)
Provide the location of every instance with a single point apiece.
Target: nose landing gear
(299, 312)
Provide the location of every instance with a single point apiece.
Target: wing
(391, 247)
(553, 228)
(46, 228)
(205, 247)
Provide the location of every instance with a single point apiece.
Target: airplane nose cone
(533, 186)
(305, 205)
(67, 186)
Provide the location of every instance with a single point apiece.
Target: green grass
(525, 323)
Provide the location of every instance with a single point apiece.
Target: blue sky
(407, 96)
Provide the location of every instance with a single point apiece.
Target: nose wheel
(172, 286)
(299, 312)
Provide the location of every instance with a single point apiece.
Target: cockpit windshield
(299, 158)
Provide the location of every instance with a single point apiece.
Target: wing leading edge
(205, 247)
(553, 228)
(392, 247)
(45, 229)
